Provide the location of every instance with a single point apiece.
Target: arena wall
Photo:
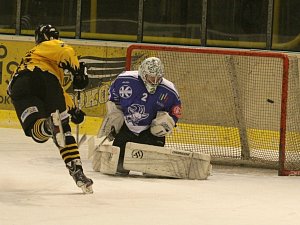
(108, 59)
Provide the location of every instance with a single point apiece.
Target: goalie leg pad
(166, 162)
(105, 157)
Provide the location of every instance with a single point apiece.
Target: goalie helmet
(45, 33)
(151, 72)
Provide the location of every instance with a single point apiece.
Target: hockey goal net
(239, 106)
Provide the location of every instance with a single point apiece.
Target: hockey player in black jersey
(42, 105)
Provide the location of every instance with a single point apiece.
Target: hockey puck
(270, 100)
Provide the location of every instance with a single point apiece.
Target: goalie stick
(92, 146)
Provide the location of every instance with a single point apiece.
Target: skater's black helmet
(45, 33)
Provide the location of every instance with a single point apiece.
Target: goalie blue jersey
(138, 106)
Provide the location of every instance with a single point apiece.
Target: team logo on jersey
(136, 114)
(164, 97)
(177, 111)
(125, 91)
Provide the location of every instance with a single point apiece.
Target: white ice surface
(36, 189)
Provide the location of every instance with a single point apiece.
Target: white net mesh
(232, 103)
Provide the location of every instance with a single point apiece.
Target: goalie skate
(54, 123)
(76, 171)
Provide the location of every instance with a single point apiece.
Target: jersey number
(145, 96)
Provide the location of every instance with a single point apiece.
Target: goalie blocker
(149, 159)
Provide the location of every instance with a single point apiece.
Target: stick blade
(82, 140)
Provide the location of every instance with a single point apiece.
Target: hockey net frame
(287, 66)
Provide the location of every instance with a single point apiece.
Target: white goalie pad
(114, 118)
(104, 156)
(166, 162)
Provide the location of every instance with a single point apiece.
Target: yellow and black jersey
(53, 56)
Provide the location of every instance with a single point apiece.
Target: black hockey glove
(80, 78)
(77, 115)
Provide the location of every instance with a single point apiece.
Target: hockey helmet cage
(45, 33)
(151, 72)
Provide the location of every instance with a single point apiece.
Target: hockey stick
(77, 125)
(84, 137)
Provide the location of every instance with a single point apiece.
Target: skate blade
(87, 189)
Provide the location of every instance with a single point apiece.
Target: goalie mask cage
(239, 106)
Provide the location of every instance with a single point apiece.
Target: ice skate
(76, 171)
(54, 125)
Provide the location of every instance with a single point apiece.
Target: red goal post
(240, 106)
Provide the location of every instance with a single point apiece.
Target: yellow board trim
(187, 133)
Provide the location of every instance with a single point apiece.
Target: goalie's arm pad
(162, 125)
(113, 120)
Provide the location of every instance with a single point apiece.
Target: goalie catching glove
(162, 125)
(112, 122)
(80, 77)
